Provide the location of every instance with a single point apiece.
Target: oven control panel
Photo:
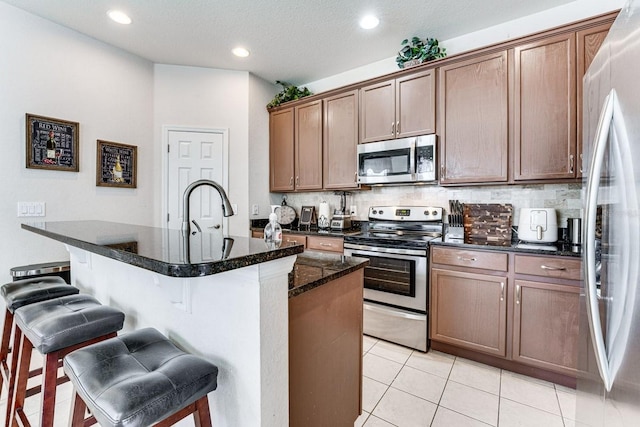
(405, 213)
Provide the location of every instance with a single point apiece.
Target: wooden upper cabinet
(281, 150)
(340, 141)
(398, 108)
(308, 146)
(587, 44)
(416, 104)
(377, 112)
(545, 109)
(473, 120)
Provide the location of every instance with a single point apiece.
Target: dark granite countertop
(550, 249)
(313, 269)
(163, 250)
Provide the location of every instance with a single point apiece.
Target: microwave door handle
(591, 205)
(412, 160)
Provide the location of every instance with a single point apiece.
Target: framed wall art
(52, 143)
(116, 165)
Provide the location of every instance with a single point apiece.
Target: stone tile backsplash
(565, 198)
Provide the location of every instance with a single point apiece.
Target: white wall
(208, 98)
(260, 93)
(51, 71)
(567, 13)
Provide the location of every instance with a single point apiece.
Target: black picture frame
(307, 215)
(116, 165)
(52, 143)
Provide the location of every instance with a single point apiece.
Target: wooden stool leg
(11, 384)
(4, 346)
(78, 410)
(202, 415)
(49, 386)
(22, 375)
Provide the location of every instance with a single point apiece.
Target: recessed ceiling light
(240, 51)
(369, 22)
(119, 16)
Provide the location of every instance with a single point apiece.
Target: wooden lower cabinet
(325, 354)
(289, 239)
(545, 325)
(522, 315)
(469, 310)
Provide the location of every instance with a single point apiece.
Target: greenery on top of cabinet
(289, 92)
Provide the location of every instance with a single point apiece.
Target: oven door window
(385, 163)
(397, 276)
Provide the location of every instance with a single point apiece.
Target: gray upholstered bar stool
(139, 379)
(17, 294)
(55, 328)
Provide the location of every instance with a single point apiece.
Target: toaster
(538, 225)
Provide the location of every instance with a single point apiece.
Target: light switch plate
(31, 209)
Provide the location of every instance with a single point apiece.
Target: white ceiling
(297, 41)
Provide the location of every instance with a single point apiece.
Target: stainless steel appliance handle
(591, 206)
(350, 247)
(412, 159)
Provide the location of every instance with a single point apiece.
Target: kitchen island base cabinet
(325, 354)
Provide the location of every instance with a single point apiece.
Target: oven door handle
(399, 251)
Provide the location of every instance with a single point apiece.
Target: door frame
(165, 164)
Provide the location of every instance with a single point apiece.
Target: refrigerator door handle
(591, 291)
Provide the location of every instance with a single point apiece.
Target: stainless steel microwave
(398, 161)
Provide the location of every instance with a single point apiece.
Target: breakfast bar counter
(223, 298)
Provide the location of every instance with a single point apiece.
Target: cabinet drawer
(332, 244)
(257, 234)
(558, 267)
(288, 239)
(469, 258)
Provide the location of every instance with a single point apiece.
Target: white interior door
(193, 155)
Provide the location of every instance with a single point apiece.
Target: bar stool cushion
(62, 322)
(28, 291)
(139, 378)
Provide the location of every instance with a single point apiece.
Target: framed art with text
(116, 165)
(52, 143)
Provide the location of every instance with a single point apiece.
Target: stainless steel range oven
(396, 287)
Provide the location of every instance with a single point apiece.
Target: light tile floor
(402, 387)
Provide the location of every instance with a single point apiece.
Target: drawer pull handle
(517, 294)
(501, 291)
(546, 267)
(466, 259)
(326, 244)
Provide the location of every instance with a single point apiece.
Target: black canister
(574, 230)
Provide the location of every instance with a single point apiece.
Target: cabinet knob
(442, 175)
(297, 180)
(291, 181)
(398, 127)
(517, 294)
(501, 291)
(580, 162)
(393, 128)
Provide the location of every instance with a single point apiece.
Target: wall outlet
(354, 211)
(255, 209)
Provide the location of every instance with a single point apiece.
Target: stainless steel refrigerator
(608, 392)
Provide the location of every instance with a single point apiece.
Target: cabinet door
(474, 125)
(416, 104)
(545, 330)
(469, 310)
(308, 152)
(377, 112)
(545, 109)
(587, 44)
(340, 141)
(281, 160)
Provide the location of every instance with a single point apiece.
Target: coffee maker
(340, 219)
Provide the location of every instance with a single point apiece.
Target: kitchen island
(224, 298)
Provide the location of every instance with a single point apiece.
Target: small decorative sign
(307, 215)
(116, 165)
(52, 143)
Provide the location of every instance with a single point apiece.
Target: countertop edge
(168, 269)
(512, 248)
(298, 290)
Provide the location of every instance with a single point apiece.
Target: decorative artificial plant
(289, 92)
(419, 51)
